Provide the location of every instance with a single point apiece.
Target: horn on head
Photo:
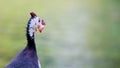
(33, 14)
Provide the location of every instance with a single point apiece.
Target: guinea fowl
(28, 57)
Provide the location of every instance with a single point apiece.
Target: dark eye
(38, 20)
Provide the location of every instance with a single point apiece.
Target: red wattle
(41, 29)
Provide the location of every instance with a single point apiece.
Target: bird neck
(30, 35)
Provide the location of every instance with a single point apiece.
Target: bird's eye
(39, 20)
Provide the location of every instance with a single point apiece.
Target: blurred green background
(78, 34)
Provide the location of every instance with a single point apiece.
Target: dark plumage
(26, 59)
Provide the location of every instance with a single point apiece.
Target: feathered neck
(30, 35)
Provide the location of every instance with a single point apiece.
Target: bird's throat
(30, 34)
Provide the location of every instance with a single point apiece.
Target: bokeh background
(78, 34)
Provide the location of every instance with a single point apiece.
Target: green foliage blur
(78, 33)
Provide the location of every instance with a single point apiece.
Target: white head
(35, 23)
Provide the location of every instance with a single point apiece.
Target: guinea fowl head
(35, 23)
